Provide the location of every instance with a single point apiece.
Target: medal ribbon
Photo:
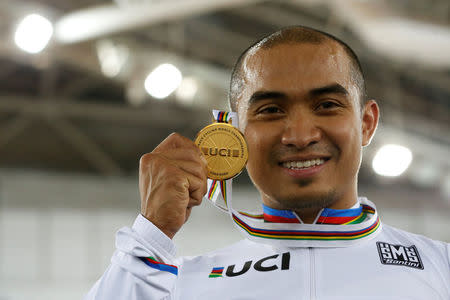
(221, 190)
(363, 224)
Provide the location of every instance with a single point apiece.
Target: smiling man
(300, 112)
(300, 97)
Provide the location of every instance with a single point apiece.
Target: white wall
(57, 231)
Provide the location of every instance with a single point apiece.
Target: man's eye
(269, 110)
(327, 105)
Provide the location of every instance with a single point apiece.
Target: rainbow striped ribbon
(217, 188)
(220, 191)
(360, 224)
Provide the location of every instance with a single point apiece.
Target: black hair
(293, 35)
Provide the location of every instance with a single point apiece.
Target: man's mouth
(304, 164)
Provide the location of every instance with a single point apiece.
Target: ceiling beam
(89, 149)
(12, 128)
(278, 16)
(155, 114)
(101, 21)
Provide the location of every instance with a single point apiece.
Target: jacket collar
(353, 215)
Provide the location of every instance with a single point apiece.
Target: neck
(308, 216)
(308, 213)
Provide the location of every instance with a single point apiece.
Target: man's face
(299, 111)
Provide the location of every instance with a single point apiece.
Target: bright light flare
(162, 81)
(187, 90)
(391, 160)
(33, 33)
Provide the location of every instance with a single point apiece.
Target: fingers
(172, 180)
(196, 174)
(176, 140)
(186, 155)
(193, 154)
(198, 170)
(194, 166)
(182, 152)
(197, 189)
(173, 173)
(177, 148)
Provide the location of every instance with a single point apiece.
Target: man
(300, 97)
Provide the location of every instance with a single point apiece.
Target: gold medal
(225, 149)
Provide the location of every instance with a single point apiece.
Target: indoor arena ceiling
(69, 108)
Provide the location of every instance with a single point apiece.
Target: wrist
(153, 235)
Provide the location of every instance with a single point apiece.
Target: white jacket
(392, 264)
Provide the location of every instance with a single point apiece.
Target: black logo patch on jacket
(269, 263)
(399, 255)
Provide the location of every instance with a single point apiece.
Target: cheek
(255, 143)
(260, 140)
(347, 137)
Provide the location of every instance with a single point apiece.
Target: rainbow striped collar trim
(308, 234)
(333, 228)
(345, 216)
(279, 215)
(326, 216)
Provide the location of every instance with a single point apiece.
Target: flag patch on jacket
(216, 272)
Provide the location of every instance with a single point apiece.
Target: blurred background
(88, 86)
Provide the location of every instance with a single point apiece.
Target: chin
(302, 200)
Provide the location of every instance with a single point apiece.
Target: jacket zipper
(312, 272)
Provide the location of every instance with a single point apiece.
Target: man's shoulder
(397, 233)
(398, 236)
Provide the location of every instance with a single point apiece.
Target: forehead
(296, 67)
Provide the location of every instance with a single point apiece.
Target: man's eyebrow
(329, 89)
(263, 95)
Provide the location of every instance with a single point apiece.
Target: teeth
(303, 164)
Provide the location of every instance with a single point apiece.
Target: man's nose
(301, 131)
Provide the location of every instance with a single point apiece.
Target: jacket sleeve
(141, 267)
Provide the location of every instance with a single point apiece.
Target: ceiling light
(162, 81)
(33, 33)
(391, 160)
(112, 57)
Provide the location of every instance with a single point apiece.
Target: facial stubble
(310, 201)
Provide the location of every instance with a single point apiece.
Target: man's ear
(369, 118)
